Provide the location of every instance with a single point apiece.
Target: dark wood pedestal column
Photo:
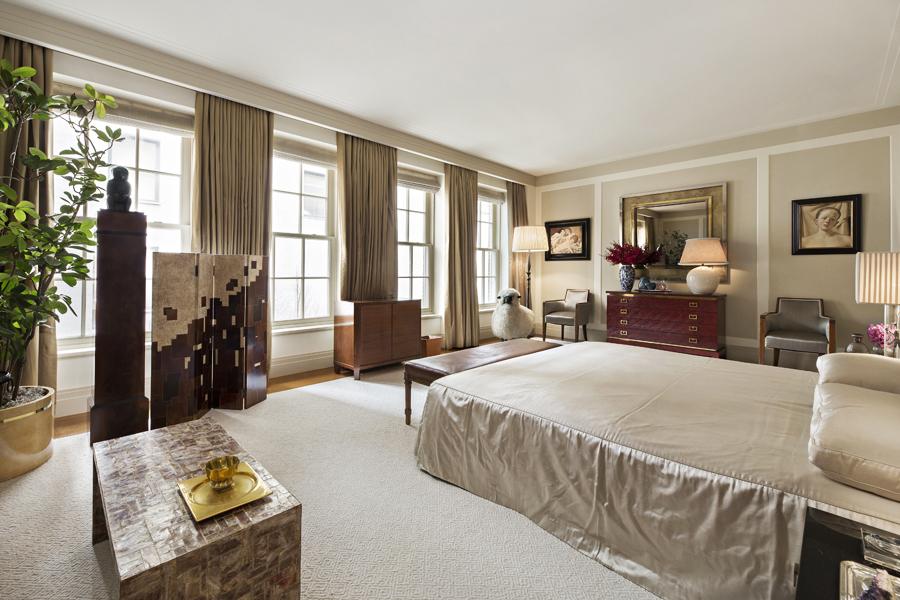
(119, 406)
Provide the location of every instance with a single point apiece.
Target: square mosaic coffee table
(159, 550)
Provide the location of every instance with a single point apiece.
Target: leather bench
(426, 370)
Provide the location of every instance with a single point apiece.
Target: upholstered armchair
(573, 310)
(797, 325)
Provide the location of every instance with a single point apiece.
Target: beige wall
(857, 168)
(741, 223)
(558, 276)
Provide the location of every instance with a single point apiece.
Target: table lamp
(704, 253)
(529, 238)
(878, 282)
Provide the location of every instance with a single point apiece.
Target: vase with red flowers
(628, 257)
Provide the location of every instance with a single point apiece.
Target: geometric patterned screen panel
(208, 334)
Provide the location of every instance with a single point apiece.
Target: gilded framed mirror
(669, 218)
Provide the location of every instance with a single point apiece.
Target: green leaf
(24, 72)
(19, 215)
(8, 192)
(37, 152)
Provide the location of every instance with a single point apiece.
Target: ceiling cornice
(58, 34)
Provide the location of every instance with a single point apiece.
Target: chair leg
(777, 355)
(762, 354)
(584, 328)
(562, 332)
(576, 333)
(544, 336)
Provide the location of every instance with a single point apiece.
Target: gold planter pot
(26, 436)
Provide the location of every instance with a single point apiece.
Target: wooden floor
(75, 424)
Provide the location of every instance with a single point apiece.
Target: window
(159, 167)
(301, 248)
(487, 255)
(414, 250)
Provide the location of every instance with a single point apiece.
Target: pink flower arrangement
(882, 334)
(629, 254)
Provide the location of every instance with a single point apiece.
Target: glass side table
(828, 541)
(856, 579)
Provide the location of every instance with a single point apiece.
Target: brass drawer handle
(623, 332)
(692, 317)
(692, 328)
(692, 340)
(692, 304)
(623, 300)
(623, 311)
(623, 321)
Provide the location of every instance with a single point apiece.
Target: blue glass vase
(626, 277)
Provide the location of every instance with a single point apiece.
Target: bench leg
(584, 328)
(562, 332)
(544, 336)
(408, 384)
(576, 333)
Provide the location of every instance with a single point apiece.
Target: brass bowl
(220, 472)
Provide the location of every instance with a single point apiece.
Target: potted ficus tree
(37, 251)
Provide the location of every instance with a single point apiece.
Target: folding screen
(209, 324)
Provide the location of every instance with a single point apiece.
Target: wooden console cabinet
(374, 333)
(684, 323)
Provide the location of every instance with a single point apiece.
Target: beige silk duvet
(687, 475)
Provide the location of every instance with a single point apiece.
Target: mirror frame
(716, 197)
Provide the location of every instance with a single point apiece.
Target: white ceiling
(540, 86)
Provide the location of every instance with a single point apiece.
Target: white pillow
(864, 370)
(855, 436)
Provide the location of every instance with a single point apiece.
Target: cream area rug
(374, 525)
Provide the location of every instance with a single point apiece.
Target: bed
(687, 475)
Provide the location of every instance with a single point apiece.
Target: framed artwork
(829, 225)
(569, 240)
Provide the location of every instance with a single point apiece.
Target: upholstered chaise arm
(869, 371)
(552, 306)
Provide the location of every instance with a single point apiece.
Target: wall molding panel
(762, 157)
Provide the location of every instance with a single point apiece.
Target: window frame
(428, 244)
(330, 236)
(184, 226)
(497, 249)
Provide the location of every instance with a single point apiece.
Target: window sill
(486, 309)
(308, 328)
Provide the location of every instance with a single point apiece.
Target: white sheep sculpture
(511, 320)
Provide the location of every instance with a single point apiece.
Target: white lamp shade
(530, 238)
(703, 251)
(878, 277)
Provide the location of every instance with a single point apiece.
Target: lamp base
(703, 280)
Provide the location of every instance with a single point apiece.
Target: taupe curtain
(232, 177)
(367, 205)
(518, 217)
(40, 365)
(461, 328)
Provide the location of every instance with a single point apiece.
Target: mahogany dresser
(667, 321)
(374, 333)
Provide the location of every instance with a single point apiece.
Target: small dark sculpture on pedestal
(118, 191)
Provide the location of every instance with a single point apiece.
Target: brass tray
(205, 502)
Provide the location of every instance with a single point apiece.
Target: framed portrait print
(829, 225)
(569, 240)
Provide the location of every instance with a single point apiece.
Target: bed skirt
(681, 532)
